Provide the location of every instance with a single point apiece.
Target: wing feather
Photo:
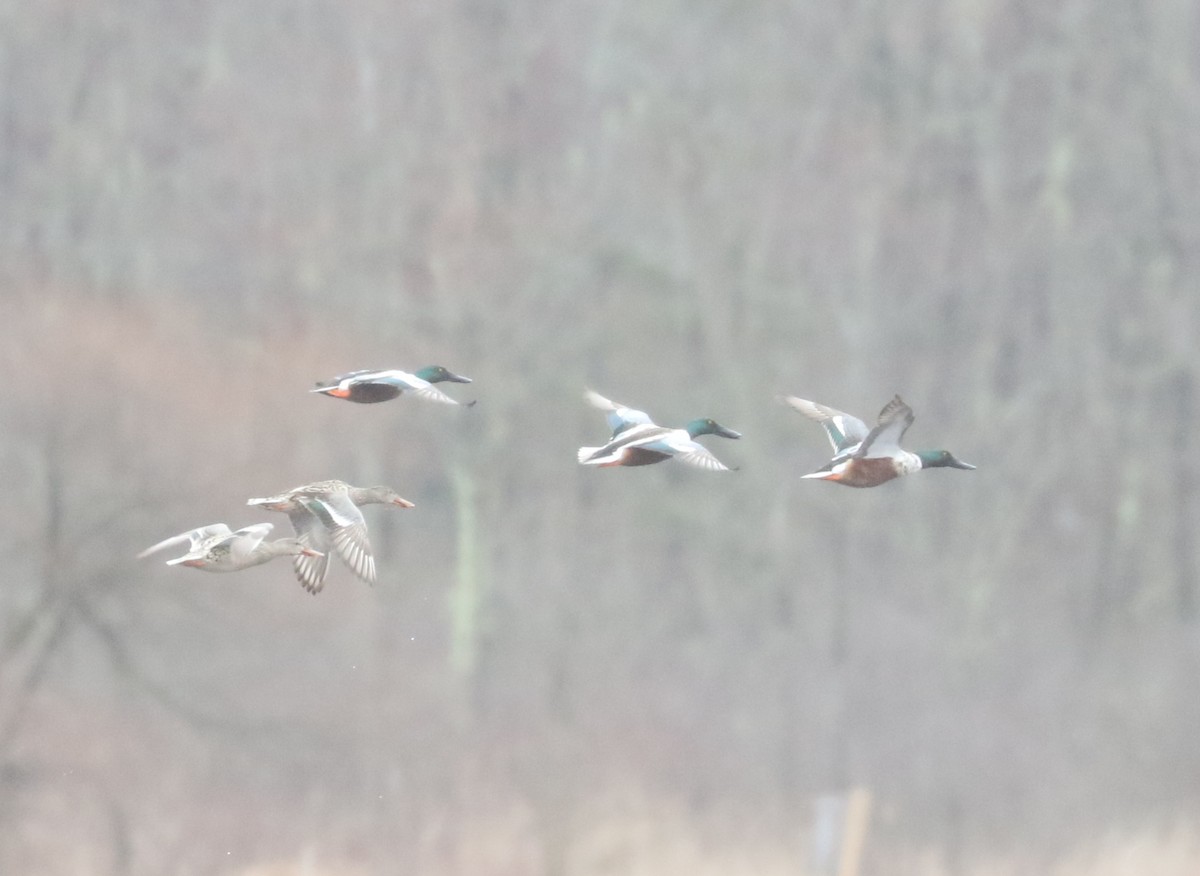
(243, 542)
(311, 532)
(347, 528)
(620, 417)
(195, 536)
(843, 430)
(433, 394)
(884, 439)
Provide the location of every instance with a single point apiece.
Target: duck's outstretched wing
(194, 536)
(844, 431)
(702, 458)
(687, 449)
(429, 392)
(347, 528)
(884, 439)
(244, 541)
(620, 417)
(310, 532)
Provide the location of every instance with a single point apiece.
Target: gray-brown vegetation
(988, 206)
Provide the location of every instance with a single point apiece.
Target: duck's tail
(333, 390)
(267, 501)
(586, 454)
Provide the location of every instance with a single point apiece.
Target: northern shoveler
(325, 514)
(370, 387)
(215, 548)
(869, 457)
(637, 440)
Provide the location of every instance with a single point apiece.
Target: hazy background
(988, 206)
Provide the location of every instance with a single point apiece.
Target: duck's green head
(438, 374)
(942, 459)
(709, 426)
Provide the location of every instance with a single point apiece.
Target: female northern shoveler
(369, 387)
(215, 548)
(637, 440)
(870, 457)
(325, 514)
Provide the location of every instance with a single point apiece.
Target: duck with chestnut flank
(869, 457)
(638, 440)
(371, 387)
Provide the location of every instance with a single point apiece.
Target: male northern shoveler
(369, 387)
(637, 440)
(215, 548)
(325, 514)
(870, 457)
